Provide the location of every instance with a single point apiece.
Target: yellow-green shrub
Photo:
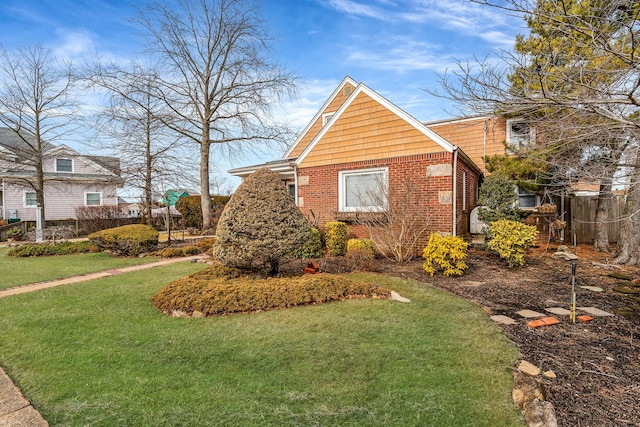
(126, 240)
(335, 236)
(361, 244)
(205, 244)
(313, 248)
(221, 290)
(510, 239)
(448, 253)
(191, 250)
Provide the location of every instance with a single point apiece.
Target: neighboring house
(359, 141)
(174, 195)
(71, 180)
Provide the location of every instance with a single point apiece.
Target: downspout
(454, 198)
(484, 148)
(295, 183)
(4, 207)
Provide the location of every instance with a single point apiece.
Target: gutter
(455, 191)
(4, 208)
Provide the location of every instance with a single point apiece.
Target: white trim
(342, 194)
(315, 118)
(93, 192)
(457, 120)
(464, 190)
(326, 117)
(361, 88)
(55, 161)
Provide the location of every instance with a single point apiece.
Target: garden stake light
(572, 311)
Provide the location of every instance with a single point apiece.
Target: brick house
(360, 143)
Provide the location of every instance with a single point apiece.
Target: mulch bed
(597, 363)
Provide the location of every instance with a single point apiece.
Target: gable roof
(361, 88)
(318, 115)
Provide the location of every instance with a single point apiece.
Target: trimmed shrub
(261, 227)
(45, 249)
(219, 290)
(497, 199)
(510, 239)
(128, 240)
(335, 236)
(447, 253)
(191, 250)
(361, 244)
(191, 209)
(205, 244)
(313, 248)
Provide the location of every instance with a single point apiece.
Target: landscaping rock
(525, 389)
(540, 413)
(179, 313)
(549, 374)
(197, 314)
(528, 368)
(564, 253)
(396, 297)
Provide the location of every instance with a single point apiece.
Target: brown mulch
(597, 363)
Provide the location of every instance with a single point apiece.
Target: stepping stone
(529, 314)
(558, 310)
(505, 320)
(592, 288)
(595, 311)
(584, 318)
(528, 368)
(546, 321)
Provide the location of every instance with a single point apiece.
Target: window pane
(30, 199)
(364, 190)
(64, 165)
(93, 199)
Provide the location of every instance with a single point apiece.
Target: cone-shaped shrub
(261, 226)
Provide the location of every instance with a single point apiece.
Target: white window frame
(290, 186)
(326, 117)
(519, 140)
(342, 195)
(64, 158)
(92, 192)
(24, 199)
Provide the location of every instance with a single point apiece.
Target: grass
(22, 271)
(98, 353)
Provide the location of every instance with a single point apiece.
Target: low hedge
(127, 240)
(220, 290)
(177, 252)
(47, 249)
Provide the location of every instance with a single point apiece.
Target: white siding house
(71, 180)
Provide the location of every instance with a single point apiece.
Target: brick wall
(428, 177)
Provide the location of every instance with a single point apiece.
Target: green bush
(128, 240)
(44, 249)
(313, 248)
(510, 239)
(219, 290)
(190, 208)
(191, 250)
(260, 227)
(498, 199)
(361, 244)
(447, 253)
(335, 236)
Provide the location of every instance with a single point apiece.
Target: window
(93, 199)
(30, 199)
(526, 199)
(326, 118)
(363, 190)
(291, 187)
(64, 165)
(519, 134)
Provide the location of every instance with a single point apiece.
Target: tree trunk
(146, 206)
(629, 241)
(205, 197)
(601, 241)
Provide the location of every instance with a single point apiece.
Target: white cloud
(73, 44)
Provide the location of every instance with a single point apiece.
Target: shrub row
(177, 252)
(44, 249)
(219, 290)
(127, 240)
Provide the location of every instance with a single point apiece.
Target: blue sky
(396, 47)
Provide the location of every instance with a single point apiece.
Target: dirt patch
(597, 363)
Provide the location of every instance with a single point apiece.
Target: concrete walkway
(15, 410)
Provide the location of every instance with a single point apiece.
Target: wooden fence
(582, 214)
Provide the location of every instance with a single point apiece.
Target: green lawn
(98, 353)
(21, 271)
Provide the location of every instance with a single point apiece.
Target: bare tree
(37, 106)
(134, 127)
(401, 226)
(576, 76)
(216, 76)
